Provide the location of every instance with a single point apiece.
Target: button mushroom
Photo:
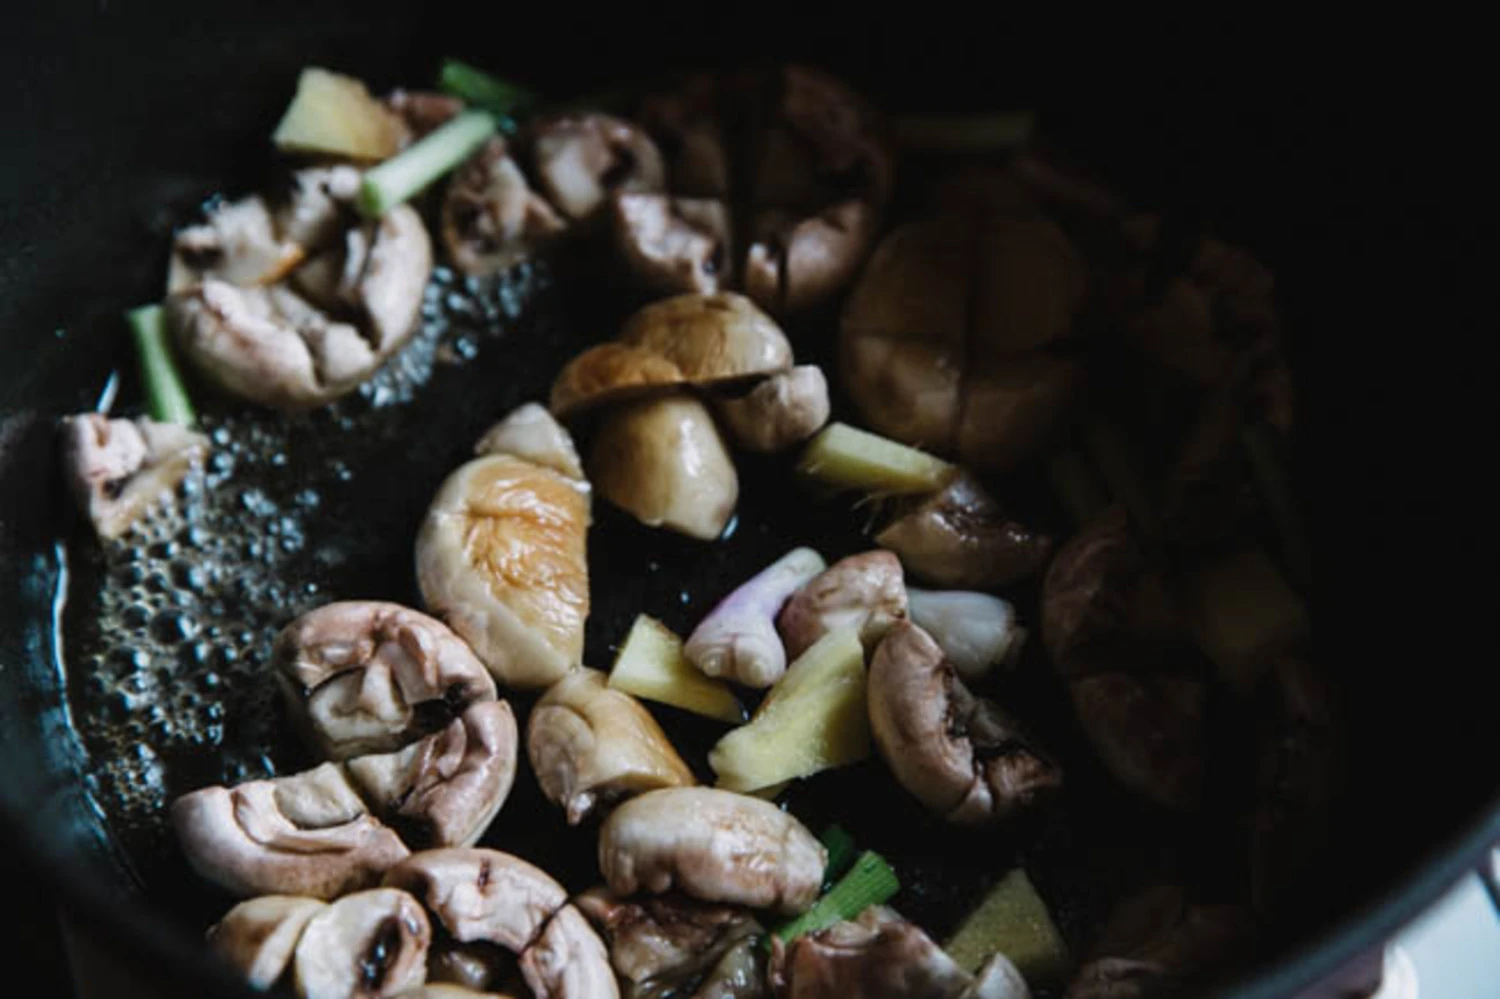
(672, 945)
(501, 558)
(882, 956)
(960, 538)
(366, 945)
(1114, 632)
(672, 244)
(663, 461)
(591, 745)
(490, 217)
(481, 895)
(581, 159)
(864, 592)
(121, 470)
(366, 676)
(237, 242)
(940, 342)
(568, 961)
(446, 789)
(259, 936)
(307, 834)
(714, 845)
(738, 639)
(975, 630)
(782, 410)
(961, 756)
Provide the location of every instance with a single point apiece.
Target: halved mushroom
(673, 945)
(582, 159)
(445, 789)
(259, 936)
(568, 961)
(865, 592)
(663, 461)
(531, 433)
(1114, 632)
(364, 676)
(121, 470)
(714, 845)
(882, 956)
(961, 756)
(308, 834)
(592, 745)
(611, 372)
(501, 557)
(367, 945)
(481, 895)
(960, 538)
(491, 218)
(673, 244)
(710, 338)
(238, 243)
(795, 261)
(785, 409)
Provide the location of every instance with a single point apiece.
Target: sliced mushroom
(673, 945)
(961, 538)
(568, 961)
(785, 409)
(1115, 633)
(672, 244)
(961, 756)
(714, 845)
(582, 159)
(591, 746)
(121, 470)
(531, 433)
(501, 557)
(797, 261)
(366, 945)
(738, 639)
(259, 936)
(365, 676)
(663, 461)
(491, 218)
(446, 789)
(865, 592)
(307, 834)
(238, 243)
(481, 895)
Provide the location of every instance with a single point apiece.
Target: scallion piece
(411, 170)
(869, 882)
(479, 89)
(841, 853)
(166, 395)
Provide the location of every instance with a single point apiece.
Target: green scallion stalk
(480, 90)
(869, 882)
(1075, 486)
(410, 171)
(841, 853)
(166, 395)
(1270, 475)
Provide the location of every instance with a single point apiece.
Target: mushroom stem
(166, 395)
(479, 89)
(410, 171)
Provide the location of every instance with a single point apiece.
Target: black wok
(120, 118)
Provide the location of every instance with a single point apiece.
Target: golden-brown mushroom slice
(710, 338)
(592, 745)
(611, 372)
(259, 936)
(491, 218)
(664, 462)
(368, 945)
(121, 470)
(501, 556)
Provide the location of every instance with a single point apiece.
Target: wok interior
(167, 142)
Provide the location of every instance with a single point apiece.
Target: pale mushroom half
(259, 936)
(122, 470)
(364, 946)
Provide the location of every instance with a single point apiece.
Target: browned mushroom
(581, 159)
(309, 834)
(591, 746)
(690, 132)
(259, 936)
(783, 410)
(445, 790)
(960, 538)
(364, 946)
(367, 676)
(119, 471)
(961, 756)
(673, 244)
(865, 592)
(491, 218)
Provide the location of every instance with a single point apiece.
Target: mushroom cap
(121, 470)
(581, 159)
(785, 409)
(864, 592)
(480, 894)
(308, 834)
(672, 244)
(491, 218)
(714, 845)
(962, 757)
(569, 961)
(663, 461)
(960, 538)
(611, 372)
(366, 945)
(365, 675)
(590, 744)
(795, 261)
(530, 432)
(710, 338)
(501, 556)
(259, 936)
(450, 785)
